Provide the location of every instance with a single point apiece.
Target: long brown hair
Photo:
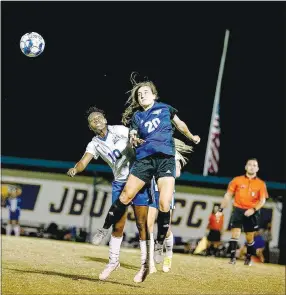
(181, 150)
(132, 101)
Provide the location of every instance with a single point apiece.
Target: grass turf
(41, 266)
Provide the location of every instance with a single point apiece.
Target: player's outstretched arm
(183, 128)
(80, 165)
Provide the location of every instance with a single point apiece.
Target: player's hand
(72, 172)
(218, 215)
(249, 212)
(134, 140)
(196, 139)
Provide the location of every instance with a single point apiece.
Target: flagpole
(216, 101)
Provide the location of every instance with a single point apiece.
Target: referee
(249, 194)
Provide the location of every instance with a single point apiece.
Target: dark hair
(252, 159)
(93, 109)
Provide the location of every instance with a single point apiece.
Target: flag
(213, 152)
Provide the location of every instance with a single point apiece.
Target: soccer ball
(32, 44)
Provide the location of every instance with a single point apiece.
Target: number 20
(152, 125)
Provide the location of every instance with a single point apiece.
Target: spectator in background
(214, 237)
(259, 246)
(10, 194)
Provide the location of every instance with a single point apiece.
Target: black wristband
(220, 209)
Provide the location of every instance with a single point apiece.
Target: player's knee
(141, 225)
(164, 205)
(126, 196)
(249, 237)
(235, 233)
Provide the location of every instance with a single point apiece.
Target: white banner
(77, 204)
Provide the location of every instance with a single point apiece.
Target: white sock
(16, 230)
(8, 229)
(143, 248)
(169, 243)
(114, 249)
(152, 263)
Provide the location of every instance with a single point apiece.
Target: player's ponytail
(181, 149)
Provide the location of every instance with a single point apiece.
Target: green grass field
(40, 266)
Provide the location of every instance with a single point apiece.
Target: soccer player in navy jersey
(151, 133)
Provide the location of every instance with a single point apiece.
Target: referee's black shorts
(239, 220)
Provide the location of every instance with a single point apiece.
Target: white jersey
(115, 150)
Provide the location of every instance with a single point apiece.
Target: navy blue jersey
(155, 127)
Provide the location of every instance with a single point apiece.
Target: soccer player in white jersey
(181, 161)
(111, 143)
(11, 197)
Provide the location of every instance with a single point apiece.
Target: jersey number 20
(152, 125)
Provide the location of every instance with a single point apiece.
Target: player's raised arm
(183, 128)
(80, 165)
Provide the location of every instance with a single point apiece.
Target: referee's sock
(250, 249)
(233, 247)
(115, 213)
(163, 222)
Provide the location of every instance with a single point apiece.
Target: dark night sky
(92, 47)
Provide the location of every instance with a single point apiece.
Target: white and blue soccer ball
(32, 44)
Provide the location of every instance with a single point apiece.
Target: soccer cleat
(248, 261)
(167, 264)
(158, 252)
(141, 274)
(110, 267)
(153, 269)
(99, 236)
(232, 261)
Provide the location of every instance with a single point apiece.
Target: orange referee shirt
(247, 191)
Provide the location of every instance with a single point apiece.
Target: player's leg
(250, 247)
(260, 255)
(236, 224)
(16, 227)
(141, 213)
(114, 248)
(119, 207)
(9, 228)
(216, 247)
(152, 215)
(235, 234)
(250, 225)
(169, 244)
(166, 188)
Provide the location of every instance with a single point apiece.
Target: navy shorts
(157, 165)
(143, 198)
(14, 215)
